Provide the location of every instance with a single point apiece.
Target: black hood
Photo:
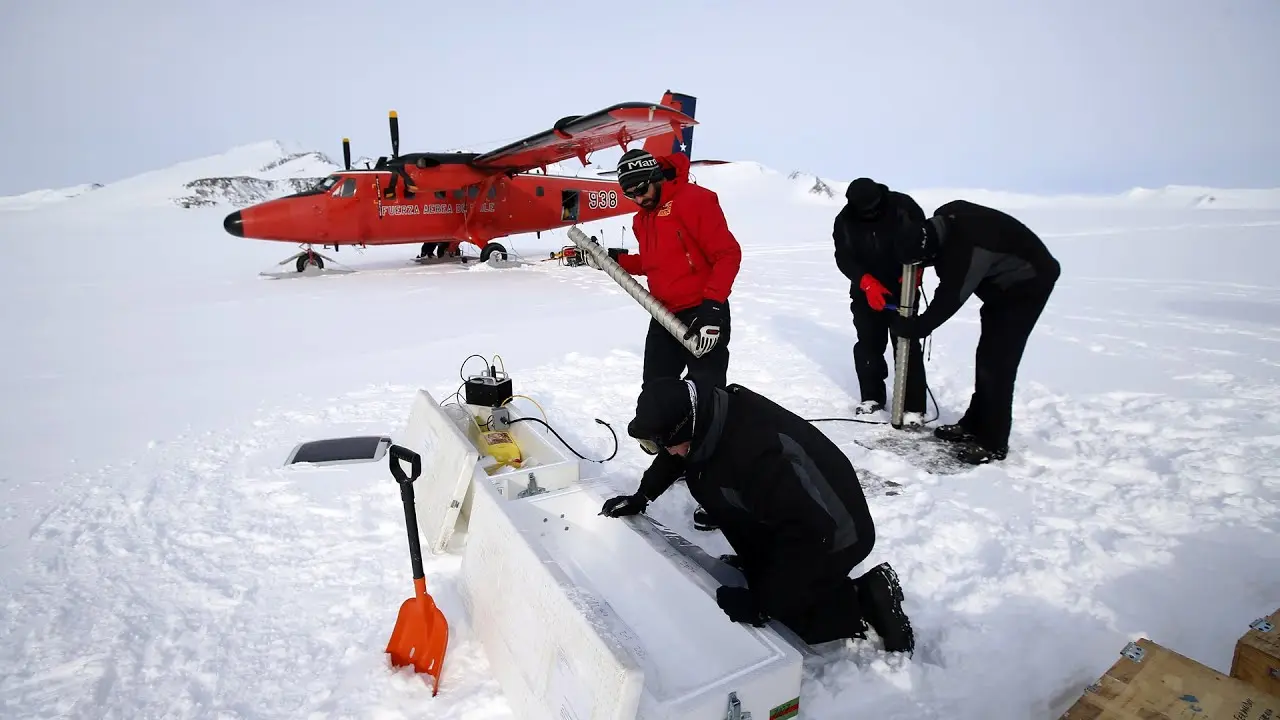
(867, 198)
(921, 244)
(664, 412)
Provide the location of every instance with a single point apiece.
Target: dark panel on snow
(363, 447)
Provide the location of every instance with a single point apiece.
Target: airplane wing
(579, 136)
(692, 163)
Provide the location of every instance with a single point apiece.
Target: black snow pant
(1007, 321)
(823, 602)
(869, 362)
(664, 356)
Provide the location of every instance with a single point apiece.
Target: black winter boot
(974, 454)
(953, 433)
(881, 599)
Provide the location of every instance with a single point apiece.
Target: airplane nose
(234, 224)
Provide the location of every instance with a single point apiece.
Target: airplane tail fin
(668, 143)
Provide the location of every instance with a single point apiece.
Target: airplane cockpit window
(347, 190)
(327, 183)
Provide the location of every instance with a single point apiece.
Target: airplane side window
(538, 191)
(348, 188)
(493, 192)
(569, 206)
(473, 192)
(457, 194)
(440, 195)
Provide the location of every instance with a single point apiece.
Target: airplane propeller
(395, 134)
(346, 153)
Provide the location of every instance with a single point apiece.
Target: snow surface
(155, 560)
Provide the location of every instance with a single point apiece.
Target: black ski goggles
(652, 445)
(638, 186)
(637, 189)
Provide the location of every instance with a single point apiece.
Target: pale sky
(1033, 95)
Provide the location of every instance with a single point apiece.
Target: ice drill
(636, 291)
(902, 348)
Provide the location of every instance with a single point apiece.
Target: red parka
(686, 250)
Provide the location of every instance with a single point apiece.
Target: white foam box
(608, 618)
(585, 617)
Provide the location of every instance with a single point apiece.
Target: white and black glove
(622, 505)
(706, 325)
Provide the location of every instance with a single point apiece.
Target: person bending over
(980, 251)
(787, 500)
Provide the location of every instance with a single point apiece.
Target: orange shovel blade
(420, 636)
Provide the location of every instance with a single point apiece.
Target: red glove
(876, 292)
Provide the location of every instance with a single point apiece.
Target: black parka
(785, 496)
(868, 246)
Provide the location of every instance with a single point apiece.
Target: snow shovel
(421, 632)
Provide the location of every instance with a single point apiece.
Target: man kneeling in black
(786, 498)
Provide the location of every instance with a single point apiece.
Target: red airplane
(444, 199)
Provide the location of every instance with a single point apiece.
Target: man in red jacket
(690, 259)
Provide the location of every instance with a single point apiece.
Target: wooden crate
(1150, 682)
(1257, 657)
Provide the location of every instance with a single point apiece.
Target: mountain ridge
(256, 172)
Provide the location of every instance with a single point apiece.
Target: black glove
(732, 561)
(738, 604)
(621, 505)
(706, 325)
(908, 327)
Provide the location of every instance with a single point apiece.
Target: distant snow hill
(289, 173)
(261, 171)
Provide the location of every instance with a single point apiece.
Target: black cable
(844, 419)
(566, 443)
(489, 367)
(464, 365)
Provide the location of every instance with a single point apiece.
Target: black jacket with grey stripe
(984, 252)
(784, 495)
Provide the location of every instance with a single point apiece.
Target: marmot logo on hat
(634, 166)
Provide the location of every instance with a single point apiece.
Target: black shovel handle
(398, 453)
